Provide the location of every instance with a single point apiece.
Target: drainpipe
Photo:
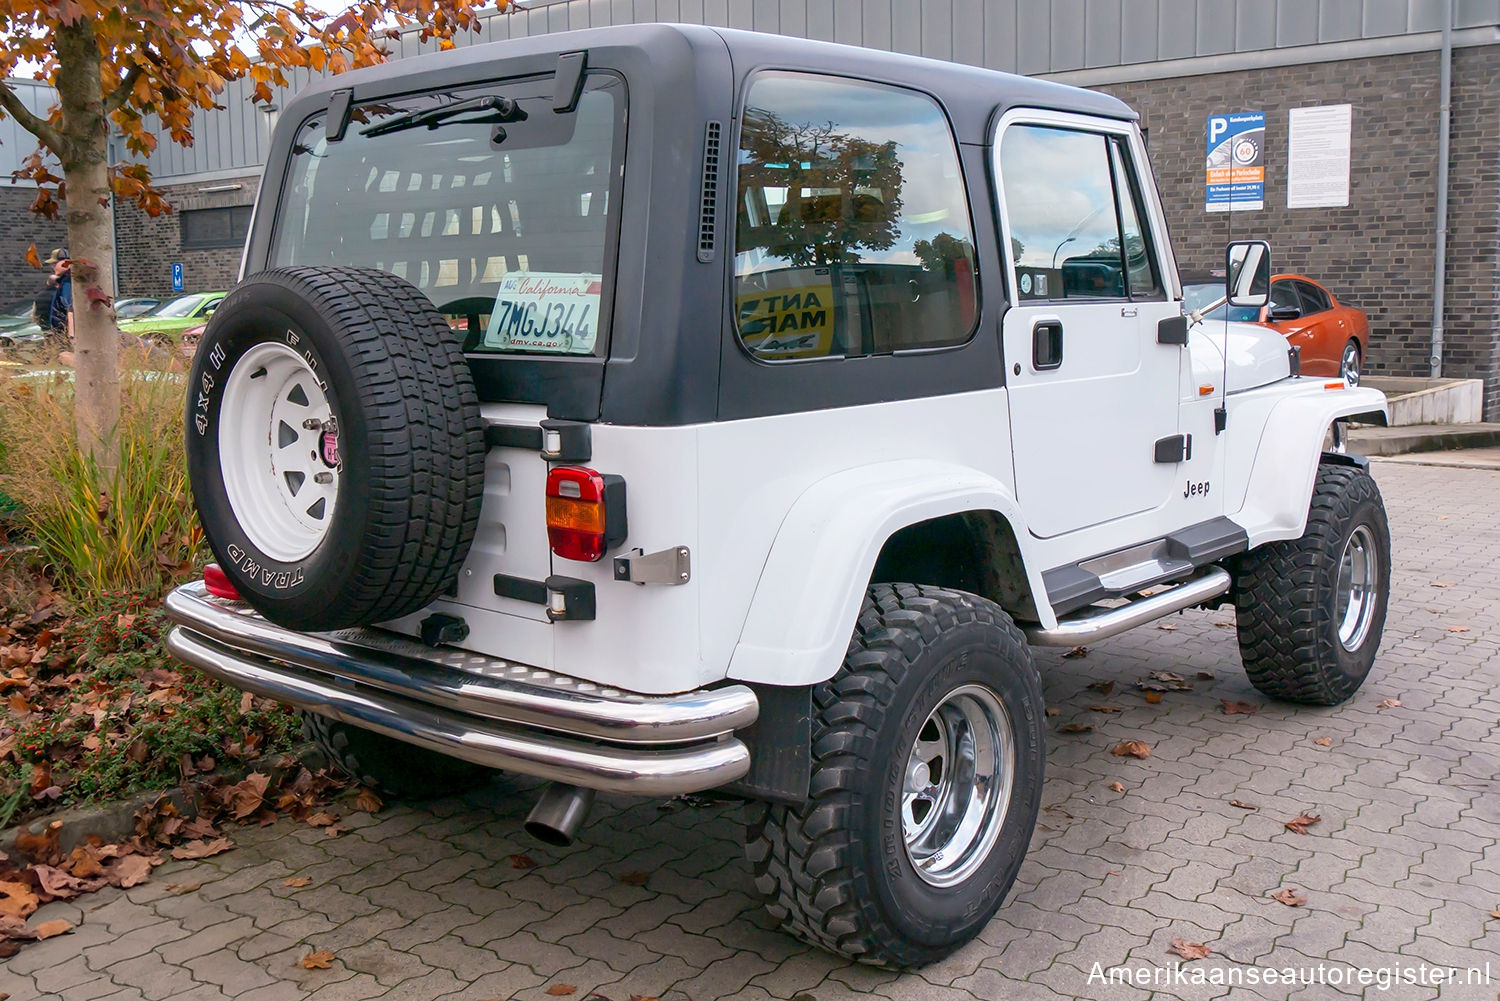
(1440, 269)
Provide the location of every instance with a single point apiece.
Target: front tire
(1310, 611)
(928, 756)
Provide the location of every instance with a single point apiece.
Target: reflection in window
(853, 234)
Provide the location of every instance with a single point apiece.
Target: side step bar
(1098, 623)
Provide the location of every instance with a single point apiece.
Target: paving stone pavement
(422, 901)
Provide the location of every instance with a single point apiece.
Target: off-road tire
(409, 444)
(1285, 596)
(400, 770)
(835, 871)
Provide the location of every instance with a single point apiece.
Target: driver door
(1092, 394)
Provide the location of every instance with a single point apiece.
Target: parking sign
(177, 277)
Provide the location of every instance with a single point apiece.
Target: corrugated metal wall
(1023, 36)
(15, 142)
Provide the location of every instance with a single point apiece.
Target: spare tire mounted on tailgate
(335, 446)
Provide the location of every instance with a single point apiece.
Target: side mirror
(1282, 313)
(1248, 267)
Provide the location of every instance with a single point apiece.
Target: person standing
(59, 325)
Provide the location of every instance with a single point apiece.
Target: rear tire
(1310, 611)
(927, 776)
(1349, 363)
(401, 770)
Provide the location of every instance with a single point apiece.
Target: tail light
(585, 513)
(217, 582)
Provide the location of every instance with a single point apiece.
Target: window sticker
(787, 313)
(545, 311)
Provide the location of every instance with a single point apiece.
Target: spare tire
(334, 446)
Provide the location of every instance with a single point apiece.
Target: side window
(1060, 210)
(1284, 296)
(1314, 299)
(1140, 266)
(852, 234)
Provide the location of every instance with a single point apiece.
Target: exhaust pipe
(559, 813)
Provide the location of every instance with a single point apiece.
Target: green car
(174, 316)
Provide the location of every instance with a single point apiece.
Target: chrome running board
(1096, 623)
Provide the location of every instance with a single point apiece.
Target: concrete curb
(1418, 438)
(116, 820)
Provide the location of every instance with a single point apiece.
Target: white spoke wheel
(280, 456)
(1349, 364)
(1310, 611)
(334, 446)
(927, 762)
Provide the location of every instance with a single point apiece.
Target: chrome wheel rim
(1359, 572)
(279, 452)
(957, 785)
(1349, 366)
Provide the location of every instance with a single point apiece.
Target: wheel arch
(845, 526)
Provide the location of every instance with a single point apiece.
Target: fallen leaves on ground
(1169, 627)
(1442, 583)
(322, 959)
(1290, 897)
(1164, 681)
(1076, 728)
(1189, 950)
(366, 800)
(1323, 741)
(1300, 823)
(1131, 749)
(1389, 704)
(1243, 805)
(561, 990)
(1237, 708)
(1053, 711)
(1458, 629)
(522, 862)
(1105, 709)
(634, 878)
(1076, 652)
(201, 849)
(1116, 787)
(1153, 698)
(1495, 914)
(297, 882)
(52, 929)
(1102, 687)
(1205, 675)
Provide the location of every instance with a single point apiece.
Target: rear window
(506, 223)
(852, 232)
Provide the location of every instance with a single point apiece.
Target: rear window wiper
(491, 108)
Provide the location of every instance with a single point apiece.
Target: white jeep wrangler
(657, 409)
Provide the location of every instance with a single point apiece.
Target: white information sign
(545, 311)
(1317, 161)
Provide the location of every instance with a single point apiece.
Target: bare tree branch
(114, 102)
(39, 127)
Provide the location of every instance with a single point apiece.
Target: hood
(1257, 355)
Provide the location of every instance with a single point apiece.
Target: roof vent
(709, 210)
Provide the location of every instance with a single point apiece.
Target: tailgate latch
(669, 566)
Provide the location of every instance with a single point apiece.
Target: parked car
(173, 317)
(764, 456)
(14, 315)
(1331, 337)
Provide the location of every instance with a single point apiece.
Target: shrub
(131, 529)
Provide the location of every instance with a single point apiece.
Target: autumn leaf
(634, 878)
(1116, 787)
(1243, 805)
(1323, 741)
(202, 848)
(181, 888)
(1131, 749)
(367, 801)
(1053, 711)
(1076, 652)
(1290, 897)
(1102, 687)
(322, 819)
(52, 929)
(32, 257)
(17, 900)
(1189, 950)
(1205, 675)
(520, 861)
(297, 882)
(1458, 629)
(1237, 708)
(1152, 698)
(561, 990)
(1076, 728)
(1442, 583)
(322, 959)
(1105, 709)
(1167, 626)
(1389, 704)
(1495, 914)
(247, 701)
(133, 870)
(1300, 823)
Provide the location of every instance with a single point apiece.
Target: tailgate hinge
(669, 566)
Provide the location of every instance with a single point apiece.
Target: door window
(1314, 299)
(852, 234)
(1284, 296)
(1073, 217)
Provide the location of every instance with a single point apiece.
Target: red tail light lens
(217, 582)
(585, 513)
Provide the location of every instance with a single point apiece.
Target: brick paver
(422, 902)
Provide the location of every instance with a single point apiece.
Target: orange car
(1333, 337)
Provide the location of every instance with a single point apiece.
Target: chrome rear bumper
(488, 711)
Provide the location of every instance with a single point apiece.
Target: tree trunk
(91, 242)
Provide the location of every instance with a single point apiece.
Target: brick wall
(149, 246)
(1377, 253)
(19, 229)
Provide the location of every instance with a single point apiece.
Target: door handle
(1046, 345)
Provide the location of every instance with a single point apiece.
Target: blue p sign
(1217, 126)
(177, 277)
